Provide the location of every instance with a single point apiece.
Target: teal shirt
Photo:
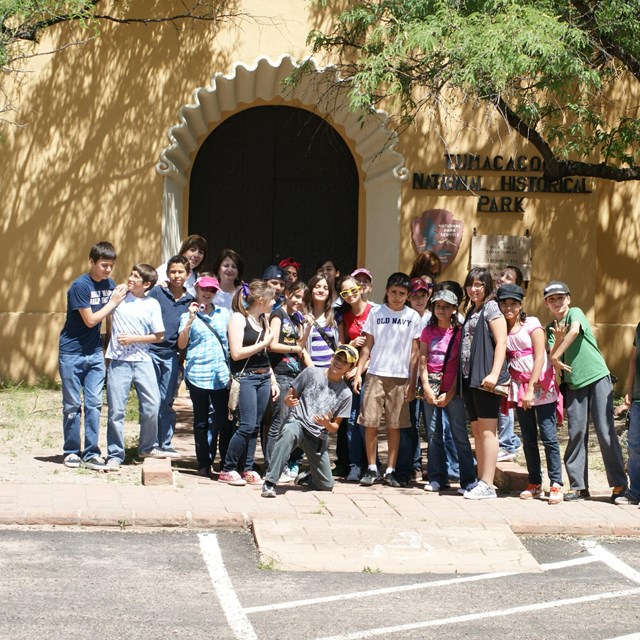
(583, 356)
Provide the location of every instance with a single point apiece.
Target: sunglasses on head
(350, 292)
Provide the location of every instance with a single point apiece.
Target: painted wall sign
(451, 179)
(496, 252)
(438, 231)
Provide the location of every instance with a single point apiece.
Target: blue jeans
(507, 437)
(255, 389)
(450, 451)
(542, 417)
(633, 444)
(210, 429)
(355, 435)
(436, 456)
(121, 375)
(81, 374)
(167, 369)
(279, 413)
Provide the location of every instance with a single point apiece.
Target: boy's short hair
(102, 251)
(399, 279)
(179, 259)
(147, 273)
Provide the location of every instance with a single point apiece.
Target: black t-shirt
(286, 364)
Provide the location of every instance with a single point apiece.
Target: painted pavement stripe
(238, 621)
(292, 604)
(612, 561)
(539, 606)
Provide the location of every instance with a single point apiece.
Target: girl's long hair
(328, 304)
(294, 287)
(248, 294)
(484, 275)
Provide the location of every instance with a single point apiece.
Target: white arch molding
(382, 166)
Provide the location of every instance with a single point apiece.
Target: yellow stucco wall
(83, 170)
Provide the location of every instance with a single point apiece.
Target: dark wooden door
(272, 182)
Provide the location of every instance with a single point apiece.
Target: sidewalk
(389, 529)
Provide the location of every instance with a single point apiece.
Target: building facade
(147, 134)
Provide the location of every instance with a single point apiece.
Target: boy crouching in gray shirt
(319, 399)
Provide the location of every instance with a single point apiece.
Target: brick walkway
(352, 528)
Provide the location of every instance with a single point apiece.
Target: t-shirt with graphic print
(393, 335)
(84, 293)
(286, 364)
(318, 395)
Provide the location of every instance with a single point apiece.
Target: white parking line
(384, 631)
(238, 621)
(292, 604)
(612, 561)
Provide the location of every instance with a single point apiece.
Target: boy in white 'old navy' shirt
(392, 333)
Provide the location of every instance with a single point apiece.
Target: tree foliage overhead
(24, 22)
(555, 70)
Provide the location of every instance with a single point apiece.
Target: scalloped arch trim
(321, 91)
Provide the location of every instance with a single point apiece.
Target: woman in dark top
(249, 337)
(288, 357)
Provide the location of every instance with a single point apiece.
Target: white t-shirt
(393, 335)
(137, 316)
(223, 299)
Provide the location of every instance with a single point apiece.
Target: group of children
(319, 359)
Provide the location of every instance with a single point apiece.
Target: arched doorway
(276, 181)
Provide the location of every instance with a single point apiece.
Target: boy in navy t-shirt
(90, 299)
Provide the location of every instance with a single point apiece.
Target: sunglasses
(350, 292)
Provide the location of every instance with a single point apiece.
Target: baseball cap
(418, 284)
(512, 291)
(208, 281)
(274, 272)
(555, 286)
(445, 296)
(350, 353)
(364, 271)
(288, 262)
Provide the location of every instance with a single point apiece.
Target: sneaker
(268, 490)
(72, 461)
(391, 480)
(471, 485)
(251, 477)
(432, 486)
(170, 452)
(153, 453)
(505, 456)
(205, 472)
(532, 491)
(481, 491)
(555, 494)
(354, 474)
(289, 474)
(625, 500)
(113, 464)
(303, 479)
(617, 492)
(95, 464)
(232, 477)
(576, 495)
(369, 477)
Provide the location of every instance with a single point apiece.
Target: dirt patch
(31, 443)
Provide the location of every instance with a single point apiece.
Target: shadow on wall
(83, 168)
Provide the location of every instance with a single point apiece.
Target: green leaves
(551, 64)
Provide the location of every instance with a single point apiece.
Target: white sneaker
(505, 456)
(288, 475)
(432, 486)
(471, 485)
(481, 491)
